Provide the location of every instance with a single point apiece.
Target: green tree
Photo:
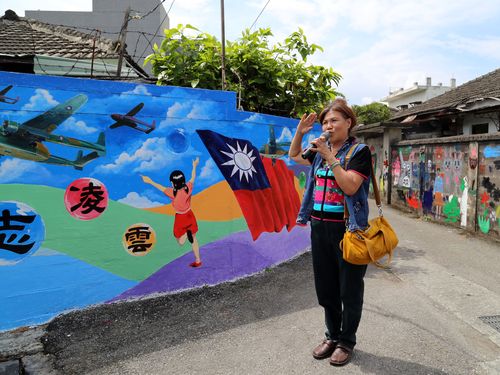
(371, 113)
(268, 79)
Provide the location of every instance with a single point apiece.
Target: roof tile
(485, 86)
(28, 37)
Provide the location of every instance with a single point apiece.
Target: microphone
(308, 151)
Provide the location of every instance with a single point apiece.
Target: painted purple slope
(232, 257)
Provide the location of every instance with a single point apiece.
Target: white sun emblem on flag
(241, 160)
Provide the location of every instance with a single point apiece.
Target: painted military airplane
(129, 120)
(274, 149)
(6, 99)
(24, 140)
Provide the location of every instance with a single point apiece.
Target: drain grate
(493, 321)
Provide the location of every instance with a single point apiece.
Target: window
(480, 128)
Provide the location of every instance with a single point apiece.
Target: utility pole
(223, 45)
(93, 54)
(121, 40)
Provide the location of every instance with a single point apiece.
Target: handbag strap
(346, 161)
(374, 183)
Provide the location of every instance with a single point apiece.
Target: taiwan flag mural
(263, 187)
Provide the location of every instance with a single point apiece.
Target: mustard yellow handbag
(373, 243)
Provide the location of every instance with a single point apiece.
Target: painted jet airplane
(6, 99)
(24, 140)
(274, 149)
(129, 120)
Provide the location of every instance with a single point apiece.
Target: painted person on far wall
(185, 225)
(339, 285)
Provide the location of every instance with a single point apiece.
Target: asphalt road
(420, 317)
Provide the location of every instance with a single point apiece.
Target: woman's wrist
(335, 163)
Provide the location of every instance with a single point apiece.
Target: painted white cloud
(41, 99)
(185, 111)
(254, 118)
(209, 171)
(138, 90)
(14, 169)
(286, 136)
(150, 156)
(179, 109)
(78, 127)
(195, 113)
(201, 111)
(135, 200)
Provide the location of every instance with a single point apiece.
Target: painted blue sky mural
(173, 144)
(95, 243)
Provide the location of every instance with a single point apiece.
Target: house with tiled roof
(31, 46)
(147, 20)
(452, 138)
(471, 108)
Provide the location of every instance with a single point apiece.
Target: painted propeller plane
(273, 149)
(24, 140)
(6, 99)
(129, 120)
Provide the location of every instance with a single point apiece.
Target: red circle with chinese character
(86, 198)
(139, 239)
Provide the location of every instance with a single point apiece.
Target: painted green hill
(99, 241)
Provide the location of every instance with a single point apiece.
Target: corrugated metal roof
(485, 86)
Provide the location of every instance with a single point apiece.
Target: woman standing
(339, 285)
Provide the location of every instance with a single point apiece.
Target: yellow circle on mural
(139, 239)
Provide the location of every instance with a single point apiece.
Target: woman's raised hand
(306, 123)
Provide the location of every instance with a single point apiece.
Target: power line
(94, 30)
(156, 32)
(254, 22)
(152, 10)
(38, 60)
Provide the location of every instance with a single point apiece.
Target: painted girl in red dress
(185, 225)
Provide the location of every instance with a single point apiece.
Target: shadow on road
(405, 254)
(379, 365)
(89, 339)
(86, 340)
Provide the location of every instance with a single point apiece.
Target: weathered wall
(456, 183)
(84, 214)
(377, 150)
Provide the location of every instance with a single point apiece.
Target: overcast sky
(376, 45)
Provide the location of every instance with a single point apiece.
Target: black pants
(339, 285)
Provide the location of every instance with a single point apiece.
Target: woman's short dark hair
(340, 105)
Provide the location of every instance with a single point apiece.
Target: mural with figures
(112, 190)
(458, 184)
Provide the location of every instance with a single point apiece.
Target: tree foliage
(268, 79)
(371, 113)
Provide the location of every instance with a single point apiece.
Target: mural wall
(112, 190)
(458, 184)
(379, 165)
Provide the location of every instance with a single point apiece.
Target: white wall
(470, 120)
(414, 94)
